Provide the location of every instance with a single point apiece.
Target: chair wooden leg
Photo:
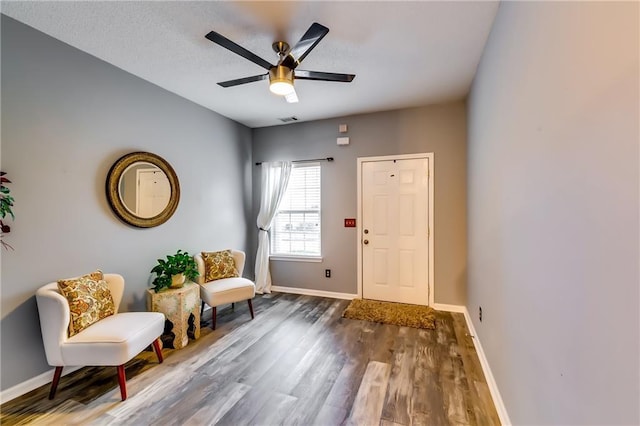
(251, 308)
(214, 312)
(156, 347)
(54, 383)
(122, 380)
(202, 309)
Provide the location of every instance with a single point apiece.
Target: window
(296, 227)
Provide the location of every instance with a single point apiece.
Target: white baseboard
(448, 308)
(31, 384)
(491, 382)
(310, 292)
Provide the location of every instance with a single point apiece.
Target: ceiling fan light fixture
(281, 80)
(292, 97)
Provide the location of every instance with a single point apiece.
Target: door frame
(429, 157)
(139, 173)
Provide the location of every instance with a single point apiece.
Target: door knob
(366, 241)
(366, 231)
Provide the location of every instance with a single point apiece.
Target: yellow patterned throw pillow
(218, 265)
(89, 300)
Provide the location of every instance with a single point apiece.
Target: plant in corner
(175, 265)
(6, 202)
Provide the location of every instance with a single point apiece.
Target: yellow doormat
(416, 316)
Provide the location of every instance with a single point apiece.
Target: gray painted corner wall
(439, 129)
(66, 118)
(553, 210)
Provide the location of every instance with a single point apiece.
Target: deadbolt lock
(366, 231)
(366, 241)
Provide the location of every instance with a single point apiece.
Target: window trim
(296, 258)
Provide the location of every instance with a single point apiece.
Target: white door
(153, 194)
(395, 230)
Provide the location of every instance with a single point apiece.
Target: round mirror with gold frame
(143, 189)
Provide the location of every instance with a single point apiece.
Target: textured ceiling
(403, 53)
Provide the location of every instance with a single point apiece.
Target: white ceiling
(403, 53)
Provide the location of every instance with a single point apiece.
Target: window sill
(314, 259)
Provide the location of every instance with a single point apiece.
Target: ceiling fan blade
(245, 80)
(323, 76)
(237, 49)
(309, 40)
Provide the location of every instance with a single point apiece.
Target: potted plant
(171, 273)
(6, 204)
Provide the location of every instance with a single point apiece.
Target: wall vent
(288, 119)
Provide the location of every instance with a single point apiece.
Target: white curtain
(275, 177)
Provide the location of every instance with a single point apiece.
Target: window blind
(296, 227)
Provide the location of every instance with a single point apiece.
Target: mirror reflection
(144, 189)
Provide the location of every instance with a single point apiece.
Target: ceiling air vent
(288, 119)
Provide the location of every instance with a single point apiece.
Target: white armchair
(112, 341)
(225, 290)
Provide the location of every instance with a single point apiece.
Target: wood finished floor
(297, 363)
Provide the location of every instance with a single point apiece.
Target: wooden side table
(181, 307)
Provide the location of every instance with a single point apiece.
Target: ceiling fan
(282, 75)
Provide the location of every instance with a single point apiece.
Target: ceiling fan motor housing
(280, 47)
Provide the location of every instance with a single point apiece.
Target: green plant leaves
(6, 200)
(180, 263)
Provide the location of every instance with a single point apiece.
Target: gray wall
(553, 211)
(66, 117)
(438, 129)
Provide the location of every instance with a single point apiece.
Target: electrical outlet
(480, 313)
(327, 273)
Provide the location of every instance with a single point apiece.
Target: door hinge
(428, 232)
